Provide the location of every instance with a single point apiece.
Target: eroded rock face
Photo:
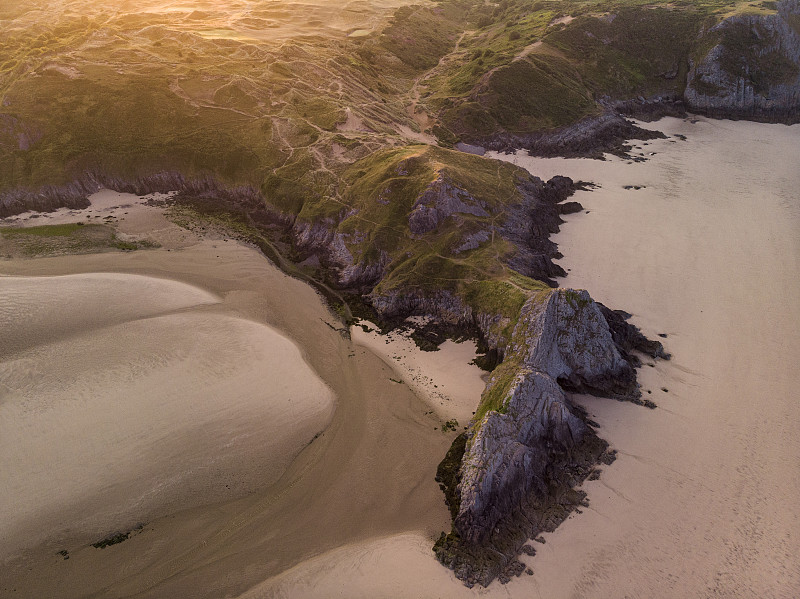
(527, 225)
(525, 456)
(592, 136)
(753, 71)
(439, 201)
(507, 457)
(75, 193)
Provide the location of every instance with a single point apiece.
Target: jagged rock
(522, 459)
(527, 225)
(507, 457)
(753, 71)
(472, 241)
(647, 109)
(571, 341)
(530, 224)
(75, 193)
(592, 136)
(440, 200)
(47, 198)
(628, 337)
(569, 207)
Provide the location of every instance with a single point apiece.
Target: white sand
(446, 378)
(702, 500)
(115, 408)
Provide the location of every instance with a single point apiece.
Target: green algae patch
(495, 397)
(71, 238)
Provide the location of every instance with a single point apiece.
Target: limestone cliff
(438, 212)
(590, 137)
(74, 194)
(529, 446)
(752, 71)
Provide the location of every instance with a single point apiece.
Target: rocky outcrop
(590, 137)
(530, 446)
(47, 198)
(753, 70)
(75, 194)
(530, 224)
(648, 109)
(439, 201)
(322, 239)
(628, 338)
(527, 225)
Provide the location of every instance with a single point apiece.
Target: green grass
(72, 238)
(495, 397)
(613, 48)
(65, 230)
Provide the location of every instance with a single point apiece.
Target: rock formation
(75, 193)
(753, 69)
(592, 137)
(529, 446)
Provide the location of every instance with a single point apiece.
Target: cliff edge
(752, 70)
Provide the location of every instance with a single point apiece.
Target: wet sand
(219, 317)
(129, 397)
(702, 500)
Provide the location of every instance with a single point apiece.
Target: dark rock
(592, 137)
(628, 337)
(438, 202)
(753, 70)
(569, 207)
(521, 461)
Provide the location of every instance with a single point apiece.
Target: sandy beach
(445, 378)
(113, 420)
(197, 391)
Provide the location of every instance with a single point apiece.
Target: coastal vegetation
(74, 238)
